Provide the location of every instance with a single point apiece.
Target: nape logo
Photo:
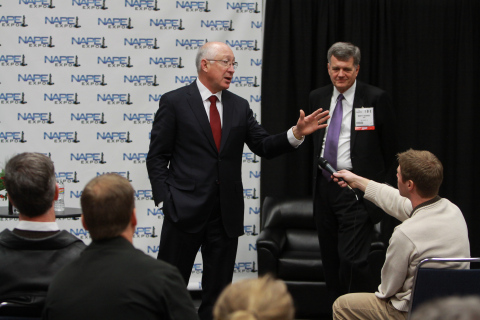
(89, 79)
(254, 174)
(197, 268)
(12, 98)
(115, 98)
(138, 118)
(154, 97)
(192, 6)
(190, 44)
(245, 81)
(249, 157)
(142, 4)
(79, 232)
(250, 193)
(63, 22)
(88, 118)
(116, 23)
(145, 232)
(90, 4)
(36, 117)
(12, 137)
(113, 62)
(243, 7)
(36, 41)
(167, 62)
(69, 177)
(141, 80)
(61, 98)
(254, 210)
(114, 137)
(186, 80)
(143, 194)
(257, 24)
(136, 158)
(217, 25)
(62, 61)
(245, 267)
(243, 44)
(89, 42)
(61, 137)
(36, 79)
(167, 24)
(156, 212)
(256, 62)
(88, 158)
(38, 3)
(125, 174)
(12, 60)
(256, 98)
(250, 230)
(13, 21)
(141, 43)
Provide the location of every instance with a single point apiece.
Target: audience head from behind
(449, 308)
(108, 207)
(31, 184)
(255, 299)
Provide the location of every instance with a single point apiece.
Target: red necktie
(215, 121)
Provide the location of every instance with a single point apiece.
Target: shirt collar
(349, 95)
(205, 93)
(37, 226)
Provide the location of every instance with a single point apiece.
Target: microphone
(323, 164)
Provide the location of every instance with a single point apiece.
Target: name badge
(364, 119)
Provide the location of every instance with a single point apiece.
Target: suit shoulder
(179, 92)
(322, 91)
(369, 89)
(230, 95)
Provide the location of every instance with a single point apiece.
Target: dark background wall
(424, 53)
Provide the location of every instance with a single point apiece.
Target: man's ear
(83, 223)
(133, 220)
(57, 190)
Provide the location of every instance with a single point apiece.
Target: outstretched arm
(350, 179)
(309, 124)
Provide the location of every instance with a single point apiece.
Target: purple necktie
(331, 144)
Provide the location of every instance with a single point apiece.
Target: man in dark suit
(112, 279)
(194, 165)
(361, 138)
(36, 249)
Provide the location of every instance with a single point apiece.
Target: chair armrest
(272, 240)
(270, 244)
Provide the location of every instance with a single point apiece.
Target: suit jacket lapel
(228, 106)
(357, 103)
(325, 105)
(196, 104)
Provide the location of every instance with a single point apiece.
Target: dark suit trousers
(345, 233)
(218, 254)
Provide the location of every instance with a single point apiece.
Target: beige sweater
(435, 229)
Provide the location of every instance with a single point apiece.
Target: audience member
(36, 249)
(255, 299)
(112, 279)
(451, 308)
(431, 227)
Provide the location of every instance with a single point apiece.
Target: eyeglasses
(226, 63)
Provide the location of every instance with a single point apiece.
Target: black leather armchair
(288, 248)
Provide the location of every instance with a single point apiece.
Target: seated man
(112, 279)
(36, 249)
(431, 227)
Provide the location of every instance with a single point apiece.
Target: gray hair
(344, 51)
(30, 183)
(207, 50)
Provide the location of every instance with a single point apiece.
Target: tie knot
(340, 97)
(213, 99)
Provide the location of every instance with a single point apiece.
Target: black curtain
(422, 52)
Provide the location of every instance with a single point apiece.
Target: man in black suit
(112, 279)
(195, 162)
(360, 138)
